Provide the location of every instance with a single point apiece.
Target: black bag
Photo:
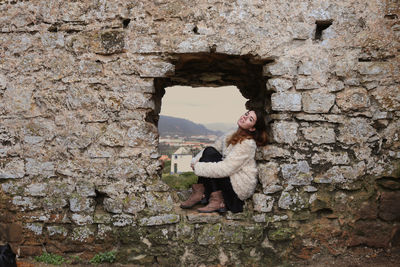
(7, 257)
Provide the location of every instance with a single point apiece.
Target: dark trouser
(232, 201)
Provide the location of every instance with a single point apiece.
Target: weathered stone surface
(373, 68)
(159, 202)
(263, 203)
(25, 203)
(14, 168)
(279, 85)
(37, 189)
(160, 220)
(81, 219)
(285, 132)
(305, 83)
(371, 233)
(335, 158)
(81, 89)
(342, 174)
(281, 234)
(268, 174)
(353, 99)
(318, 102)
(319, 135)
(355, 130)
(34, 167)
(335, 86)
(210, 234)
(297, 174)
(81, 204)
(203, 218)
(123, 220)
(286, 101)
(388, 97)
(283, 67)
(133, 204)
(389, 208)
(272, 151)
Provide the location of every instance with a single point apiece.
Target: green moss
(50, 258)
(103, 257)
(281, 234)
(129, 234)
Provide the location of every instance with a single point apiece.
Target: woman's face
(247, 121)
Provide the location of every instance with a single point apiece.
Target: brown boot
(216, 203)
(195, 198)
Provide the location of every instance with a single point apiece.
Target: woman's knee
(210, 153)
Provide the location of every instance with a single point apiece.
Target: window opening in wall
(212, 71)
(191, 119)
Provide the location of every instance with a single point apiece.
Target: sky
(204, 104)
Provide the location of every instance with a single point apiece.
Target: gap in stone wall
(321, 25)
(215, 70)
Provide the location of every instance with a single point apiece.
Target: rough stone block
(133, 204)
(57, 232)
(272, 151)
(306, 83)
(279, 84)
(297, 174)
(285, 132)
(83, 234)
(34, 167)
(79, 203)
(318, 102)
(268, 174)
(355, 130)
(134, 101)
(203, 218)
(283, 67)
(389, 208)
(319, 135)
(335, 86)
(286, 101)
(82, 219)
(28, 251)
(154, 67)
(160, 220)
(281, 234)
(352, 99)
(293, 201)
(210, 234)
(25, 203)
(108, 42)
(342, 174)
(302, 31)
(336, 158)
(373, 68)
(371, 233)
(263, 203)
(38, 189)
(387, 97)
(159, 202)
(12, 169)
(113, 205)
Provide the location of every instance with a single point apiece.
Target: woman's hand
(191, 165)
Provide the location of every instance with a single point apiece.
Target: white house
(180, 161)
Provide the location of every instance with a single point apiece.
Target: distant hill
(176, 126)
(223, 127)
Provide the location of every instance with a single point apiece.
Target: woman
(227, 171)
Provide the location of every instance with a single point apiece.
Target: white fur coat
(238, 163)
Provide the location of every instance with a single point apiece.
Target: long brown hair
(259, 135)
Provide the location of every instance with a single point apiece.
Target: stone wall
(81, 86)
